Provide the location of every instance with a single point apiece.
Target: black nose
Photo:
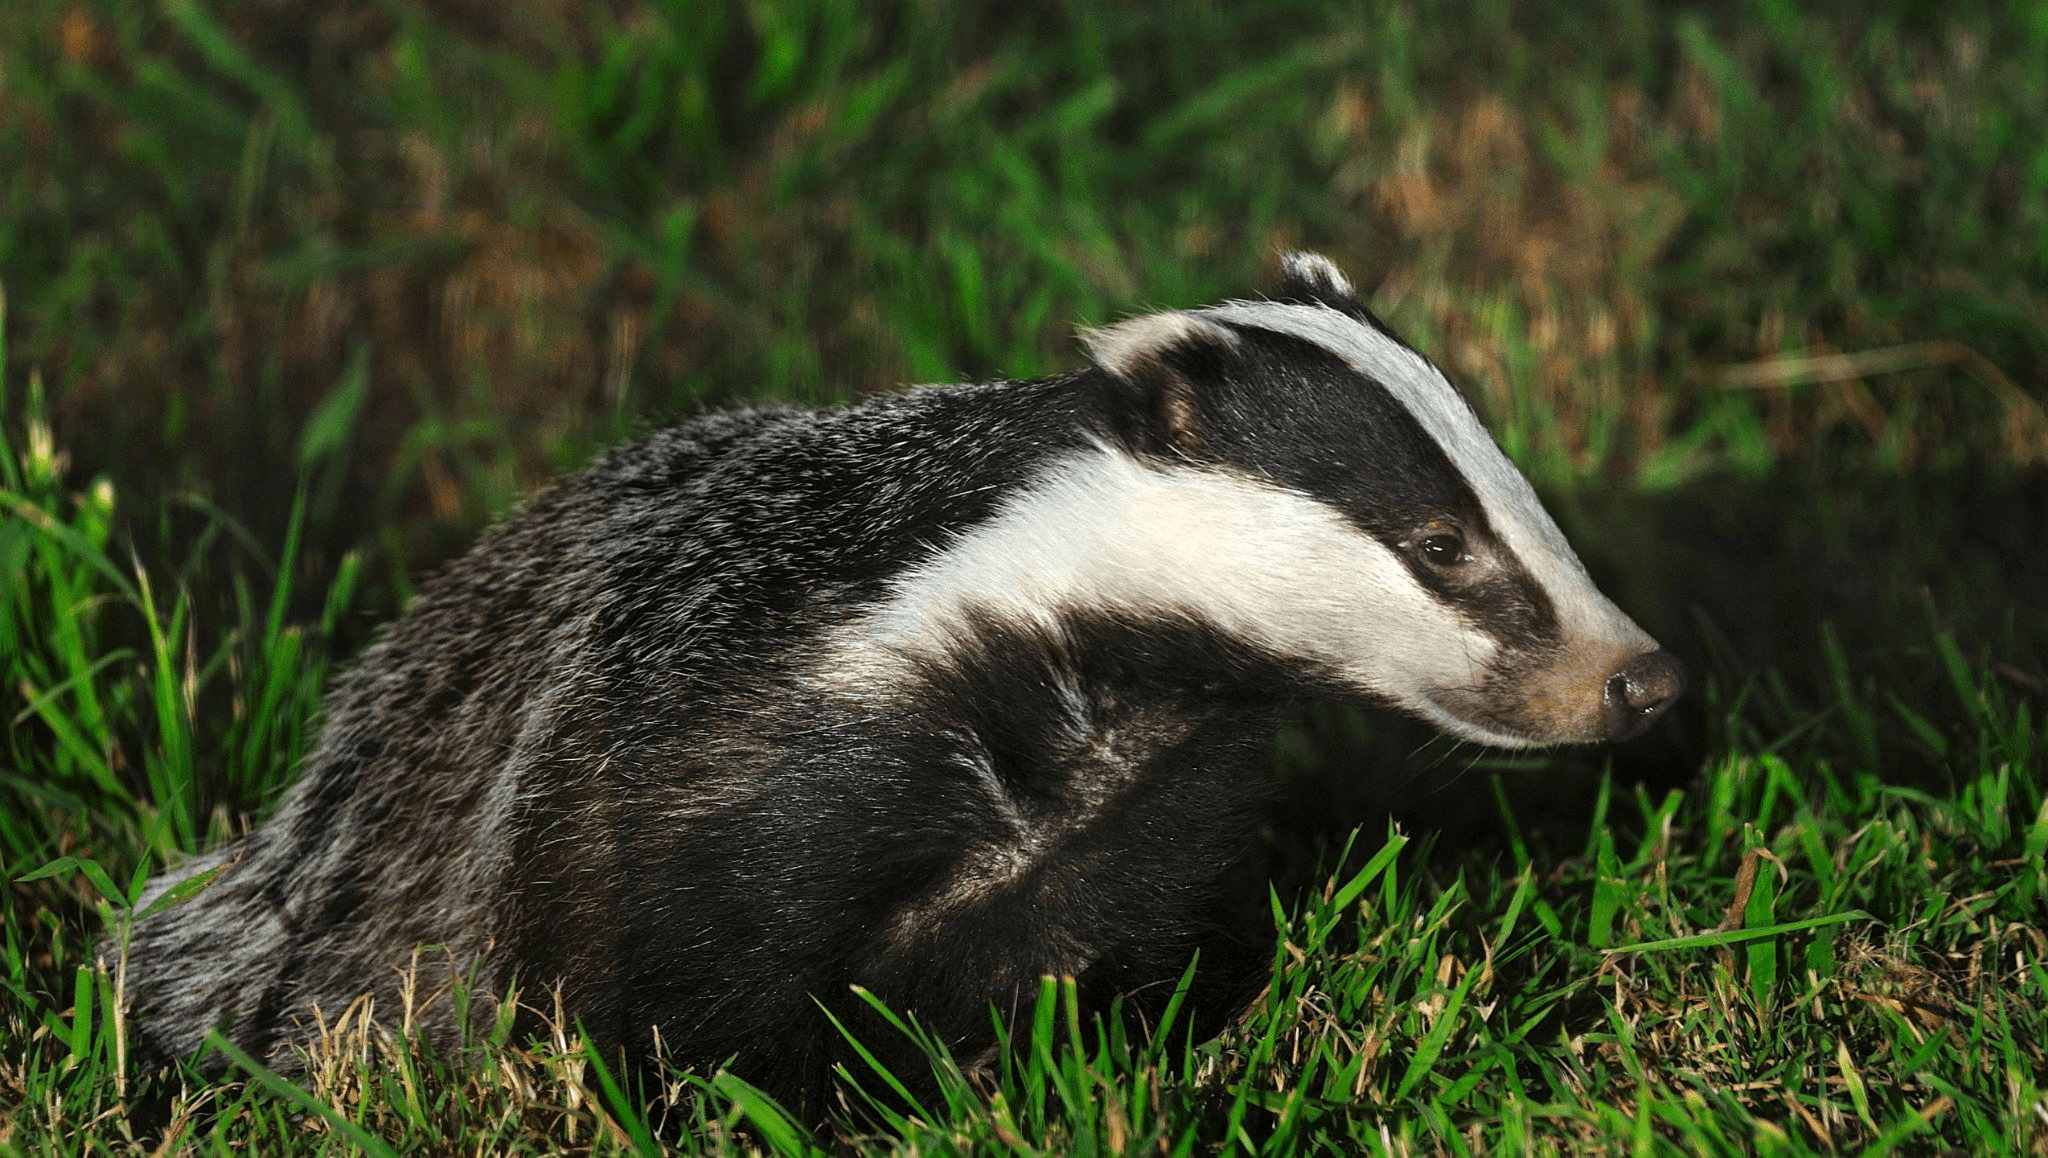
(1637, 694)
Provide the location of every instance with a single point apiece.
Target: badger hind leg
(215, 960)
(268, 952)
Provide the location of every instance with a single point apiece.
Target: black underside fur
(993, 836)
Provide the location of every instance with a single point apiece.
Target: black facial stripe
(1286, 409)
(1512, 607)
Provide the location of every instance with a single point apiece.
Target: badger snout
(1636, 695)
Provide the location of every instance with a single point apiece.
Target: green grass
(296, 297)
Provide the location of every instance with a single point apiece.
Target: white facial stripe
(1101, 531)
(1504, 494)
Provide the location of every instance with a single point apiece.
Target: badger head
(1378, 487)
(1289, 473)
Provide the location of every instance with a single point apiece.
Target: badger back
(1289, 473)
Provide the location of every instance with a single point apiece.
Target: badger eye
(1443, 549)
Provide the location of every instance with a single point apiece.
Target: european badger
(936, 695)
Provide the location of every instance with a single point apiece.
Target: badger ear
(1153, 364)
(1312, 279)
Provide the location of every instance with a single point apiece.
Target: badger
(935, 695)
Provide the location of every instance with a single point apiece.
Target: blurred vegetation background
(298, 296)
(1754, 291)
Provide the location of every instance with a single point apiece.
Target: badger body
(934, 695)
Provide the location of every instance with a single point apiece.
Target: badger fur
(935, 695)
